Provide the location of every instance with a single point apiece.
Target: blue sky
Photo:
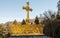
(12, 9)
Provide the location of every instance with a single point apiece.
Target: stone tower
(58, 7)
(58, 14)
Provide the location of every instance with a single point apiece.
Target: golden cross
(27, 8)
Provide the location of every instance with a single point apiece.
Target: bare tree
(49, 14)
(49, 28)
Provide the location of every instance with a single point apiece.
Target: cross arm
(30, 9)
(24, 7)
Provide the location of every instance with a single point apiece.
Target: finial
(27, 3)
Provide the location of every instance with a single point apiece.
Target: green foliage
(36, 20)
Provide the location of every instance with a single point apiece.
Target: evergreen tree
(23, 22)
(36, 20)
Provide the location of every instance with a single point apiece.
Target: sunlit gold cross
(27, 8)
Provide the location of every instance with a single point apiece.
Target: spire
(15, 22)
